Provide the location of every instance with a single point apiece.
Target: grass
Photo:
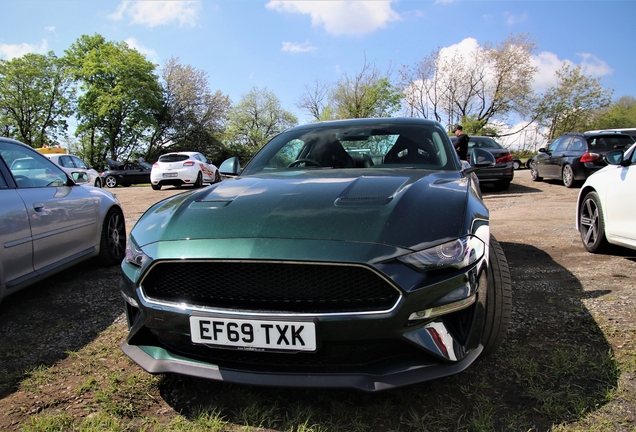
(551, 388)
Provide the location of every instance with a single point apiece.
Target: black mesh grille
(308, 288)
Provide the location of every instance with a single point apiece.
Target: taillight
(188, 163)
(589, 157)
(155, 165)
(504, 159)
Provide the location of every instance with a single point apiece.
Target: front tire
(516, 165)
(110, 181)
(567, 175)
(534, 172)
(498, 299)
(98, 182)
(592, 224)
(199, 182)
(217, 176)
(112, 245)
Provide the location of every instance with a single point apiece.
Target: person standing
(461, 145)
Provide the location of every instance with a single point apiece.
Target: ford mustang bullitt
(353, 253)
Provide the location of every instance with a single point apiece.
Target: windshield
(483, 143)
(351, 146)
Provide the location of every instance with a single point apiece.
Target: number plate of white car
(169, 174)
(253, 333)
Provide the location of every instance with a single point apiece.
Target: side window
(553, 145)
(30, 169)
(562, 144)
(78, 163)
(3, 183)
(65, 161)
(577, 144)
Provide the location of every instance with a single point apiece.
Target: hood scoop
(370, 191)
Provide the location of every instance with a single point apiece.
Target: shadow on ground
(554, 367)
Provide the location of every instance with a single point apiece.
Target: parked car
(574, 156)
(48, 222)
(71, 163)
(501, 174)
(352, 253)
(606, 210)
(179, 168)
(126, 173)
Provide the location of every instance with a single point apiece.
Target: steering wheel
(307, 162)
(23, 181)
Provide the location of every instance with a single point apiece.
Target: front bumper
(158, 360)
(367, 350)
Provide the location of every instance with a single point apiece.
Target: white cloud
(154, 13)
(512, 19)
(9, 52)
(549, 63)
(148, 52)
(593, 66)
(298, 48)
(348, 17)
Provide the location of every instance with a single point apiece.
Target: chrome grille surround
(269, 287)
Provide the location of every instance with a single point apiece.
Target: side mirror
(543, 150)
(614, 157)
(481, 158)
(230, 167)
(80, 177)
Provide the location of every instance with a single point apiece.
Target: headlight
(458, 254)
(134, 254)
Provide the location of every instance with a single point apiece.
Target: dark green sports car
(353, 253)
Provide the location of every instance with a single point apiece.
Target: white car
(71, 163)
(606, 211)
(179, 168)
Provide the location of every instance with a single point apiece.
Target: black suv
(574, 156)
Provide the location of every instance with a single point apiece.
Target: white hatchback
(606, 211)
(179, 168)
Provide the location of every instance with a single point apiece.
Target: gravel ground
(563, 297)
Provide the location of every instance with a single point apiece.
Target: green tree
(193, 117)
(120, 97)
(36, 97)
(256, 119)
(368, 93)
(571, 104)
(621, 114)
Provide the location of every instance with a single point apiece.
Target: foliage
(120, 97)
(36, 97)
(192, 118)
(367, 94)
(570, 104)
(257, 118)
(621, 114)
(490, 82)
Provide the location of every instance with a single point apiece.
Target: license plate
(253, 333)
(169, 174)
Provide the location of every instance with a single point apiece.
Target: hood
(403, 208)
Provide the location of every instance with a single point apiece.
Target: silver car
(71, 163)
(48, 222)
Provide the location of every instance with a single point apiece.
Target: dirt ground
(563, 296)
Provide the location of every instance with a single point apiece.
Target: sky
(286, 46)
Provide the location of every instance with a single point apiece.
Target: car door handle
(37, 206)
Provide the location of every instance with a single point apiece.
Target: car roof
(368, 122)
